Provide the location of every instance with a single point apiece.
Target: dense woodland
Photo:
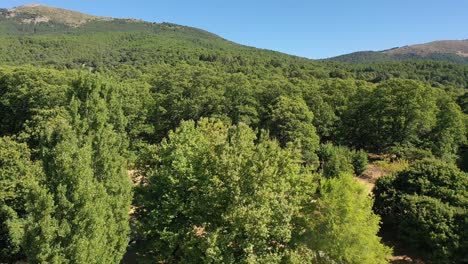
(236, 155)
(376, 56)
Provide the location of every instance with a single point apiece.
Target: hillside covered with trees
(177, 146)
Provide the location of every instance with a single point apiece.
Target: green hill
(41, 35)
(40, 19)
(238, 154)
(45, 36)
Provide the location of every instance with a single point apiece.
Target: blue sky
(308, 28)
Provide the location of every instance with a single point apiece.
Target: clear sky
(307, 28)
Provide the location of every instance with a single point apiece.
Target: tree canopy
(219, 193)
(236, 154)
(427, 205)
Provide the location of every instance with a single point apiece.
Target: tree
(335, 160)
(325, 119)
(25, 90)
(346, 228)
(426, 205)
(463, 102)
(67, 210)
(337, 93)
(429, 226)
(291, 121)
(220, 194)
(185, 93)
(450, 130)
(241, 105)
(16, 171)
(396, 112)
(360, 162)
(78, 212)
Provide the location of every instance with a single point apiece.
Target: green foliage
(409, 153)
(68, 211)
(462, 161)
(346, 228)
(397, 112)
(336, 160)
(217, 192)
(427, 205)
(187, 93)
(16, 170)
(436, 229)
(241, 104)
(365, 57)
(325, 118)
(450, 131)
(462, 101)
(436, 179)
(406, 113)
(292, 121)
(23, 91)
(360, 162)
(214, 195)
(78, 210)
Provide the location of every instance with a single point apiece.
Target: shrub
(426, 205)
(335, 160)
(392, 167)
(360, 161)
(428, 225)
(346, 229)
(410, 153)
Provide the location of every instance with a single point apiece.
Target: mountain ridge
(107, 43)
(42, 13)
(33, 19)
(459, 47)
(440, 50)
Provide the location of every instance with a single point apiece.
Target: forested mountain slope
(239, 155)
(41, 19)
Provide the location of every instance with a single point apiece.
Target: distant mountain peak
(457, 47)
(34, 19)
(31, 5)
(36, 13)
(441, 50)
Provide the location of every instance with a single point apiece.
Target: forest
(171, 145)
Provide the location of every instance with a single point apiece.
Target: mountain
(39, 35)
(447, 50)
(36, 13)
(458, 47)
(43, 35)
(34, 19)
